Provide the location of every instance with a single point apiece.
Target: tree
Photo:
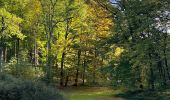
(50, 22)
(137, 32)
(9, 28)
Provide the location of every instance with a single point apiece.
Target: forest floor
(105, 93)
(90, 93)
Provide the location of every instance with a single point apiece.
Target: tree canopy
(87, 42)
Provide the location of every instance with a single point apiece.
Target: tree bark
(1, 42)
(64, 53)
(151, 74)
(5, 54)
(49, 59)
(62, 69)
(35, 49)
(78, 65)
(66, 82)
(0, 58)
(49, 9)
(84, 68)
(161, 70)
(95, 64)
(165, 56)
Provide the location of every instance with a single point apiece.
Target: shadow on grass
(145, 95)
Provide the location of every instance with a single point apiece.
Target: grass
(104, 93)
(163, 94)
(92, 93)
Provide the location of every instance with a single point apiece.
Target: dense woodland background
(63, 43)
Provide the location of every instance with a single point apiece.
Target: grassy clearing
(103, 93)
(163, 94)
(95, 93)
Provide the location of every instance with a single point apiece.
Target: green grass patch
(103, 93)
(163, 94)
(92, 93)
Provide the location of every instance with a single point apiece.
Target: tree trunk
(95, 64)
(56, 65)
(151, 74)
(35, 50)
(15, 49)
(17, 56)
(1, 42)
(0, 58)
(151, 79)
(66, 82)
(165, 56)
(62, 69)
(49, 59)
(49, 26)
(161, 72)
(161, 69)
(78, 65)
(1, 54)
(64, 53)
(167, 68)
(18, 51)
(5, 55)
(84, 68)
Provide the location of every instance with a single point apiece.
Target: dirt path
(94, 93)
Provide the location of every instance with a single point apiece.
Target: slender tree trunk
(5, 54)
(78, 65)
(94, 75)
(10, 53)
(64, 53)
(18, 46)
(151, 74)
(49, 26)
(49, 59)
(56, 66)
(63, 59)
(17, 56)
(164, 77)
(66, 82)
(15, 49)
(151, 79)
(0, 58)
(35, 49)
(161, 70)
(1, 54)
(95, 64)
(84, 68)
(1, 42)
(31, 56)
(165, 56)
(76, 79)
(62, 69)
(167, 68)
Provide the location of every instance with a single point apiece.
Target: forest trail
(90, 93)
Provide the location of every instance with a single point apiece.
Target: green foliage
(11, 24)
(137, 33)
(91, 42)
(15, 89)
(23, 70)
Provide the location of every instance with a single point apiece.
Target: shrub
(22, 70)
(16, 89)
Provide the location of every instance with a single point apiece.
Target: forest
(84, 50)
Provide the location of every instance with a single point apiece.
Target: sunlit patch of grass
(110, 94)
(91, 94)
